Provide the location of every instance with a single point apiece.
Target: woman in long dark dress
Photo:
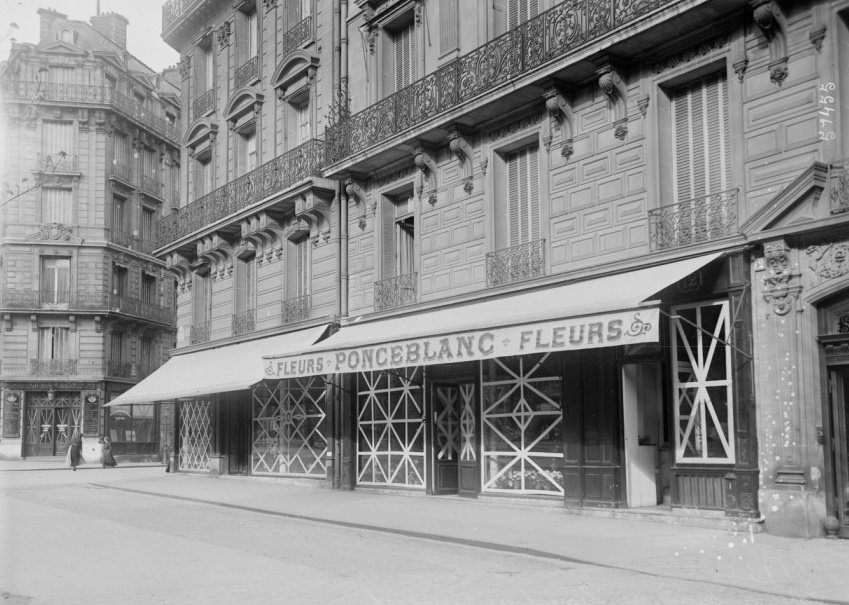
(75, 450)
(106, 457)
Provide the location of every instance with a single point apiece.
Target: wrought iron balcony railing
(120, 369)
(244, 323)
(548, 36)
(296, 309)
(516, 263)
(50, 162)
(122, 238)
(296, 37)
(151, 185)
(122, 170)
(145, 116)
(246, 73)
(395, 291)
(53, 300)
(199, 333)
(144, 370)
(700, 219)
(140, 308)
(174, 9)
(838, 186)
(272, 177)
(203, 104)
(53, 367)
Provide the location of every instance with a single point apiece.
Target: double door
(838, 446)
(48, 430)
(454, 438)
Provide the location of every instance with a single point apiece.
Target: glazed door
(838, 443)
(237, 427)
(454, 433)
(49, 429)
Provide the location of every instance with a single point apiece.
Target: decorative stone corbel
(461, 148)
(418, 12)
(560, 112)
(781, 283)
(269, 4)
(316, 212)
(643, 105)
(770, 20)
(427, 174)
(7, 322)
(33, 321)
(357, 195)
(72, 323)
(185, 66)
(614, 88)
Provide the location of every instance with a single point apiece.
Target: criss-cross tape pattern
(390, 430)
(467, 423)
(195, 435)
(446, 426)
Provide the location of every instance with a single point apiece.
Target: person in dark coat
(75, 450)
(106, 457)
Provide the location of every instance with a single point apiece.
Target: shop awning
(600, 312)
(217, 370)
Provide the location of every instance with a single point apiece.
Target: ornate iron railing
(146, 246)
(838, 186)
(140, 308)
(204, 103)
(296, 309)
(150, 185)
(53, 300)
(516, 263)
(122, 238)
(144, 370)
(142, 114)
(279, 174)
(122, 171)
(395, 291)
(245, 322)
(296, 37)
(121, 369)
(47, 162)
(199, 332)
(53, 367)
(246, 73)
(700, 219)
(174, 9)
(546, 37)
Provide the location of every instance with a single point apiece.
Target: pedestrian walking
(106, 457)
(74, 456)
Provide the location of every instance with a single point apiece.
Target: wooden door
(468, 468)
(237, 432)
(446, 438)
(838, 447)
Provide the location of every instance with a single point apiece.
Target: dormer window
(67, 35)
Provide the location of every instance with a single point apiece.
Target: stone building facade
(589, 251)
(90, 160)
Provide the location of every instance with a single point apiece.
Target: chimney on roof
(47, 16)
(113, 26)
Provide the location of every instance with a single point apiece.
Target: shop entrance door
(838, 442)
(454, 439)
(50, 421)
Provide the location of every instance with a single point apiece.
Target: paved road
(100, 535)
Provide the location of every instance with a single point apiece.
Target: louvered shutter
(519, 11)
(293, 13)
(240, 23)
(56, 205)
(303, 267)
(523, 196)
(252, 25)
(405, 56)
(302, 112)
(387, 238)
(241, 283)
(56, 137)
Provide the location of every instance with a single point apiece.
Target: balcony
(54, 164)
(515, 264)
(244, 323)
(50, 300)
(246, 73)
(122, 171)
(541, 40)
(119, 369)
(122, 238)
(151, 185)
(272, 177)
(140, 309)
(296, 309)
(395, 291)
(53, 367)
(838, 186)
(694, 221)
(203, 104)
(296, 37)
(199, 333)
(143, 115)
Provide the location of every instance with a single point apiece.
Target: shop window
(702, 383)
(57, 205)
(53, 343)
(132, 423)
(55, 284)
(399, 234)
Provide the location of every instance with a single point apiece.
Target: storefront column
(347, 424)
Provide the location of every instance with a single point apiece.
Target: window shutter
(405, 57)
(252, 25)
(533, 220)
(513, 199)
(303, 119)
(293, 13)
(303, 267)
(519, 11)
(56, 137)
(448, 24)
(523, 196)
(241, 283)
(387, 237)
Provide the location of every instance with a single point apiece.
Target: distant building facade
(585, 251)
(91, 157)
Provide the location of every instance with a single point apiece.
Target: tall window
(55, 281)
(298, 129)
(148, 289)
(56, 137)
(120, 281)
(519, 11)
(298, 268)
(203, 176)
(202, 298)
(147, 353)
(246, 152)
(245, 285)
(53, 343)
(121, 155)
(148, 222)
(399, 235)
(704, 405)
(701, 160)
(149, 165)
(204, 68)
(302, 113)
(117, 346)
(57, 205)
(251, 23)
(61, 75)
(119, 215)
(404, 52)
(523, 204)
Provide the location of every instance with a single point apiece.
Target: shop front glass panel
(195, 435)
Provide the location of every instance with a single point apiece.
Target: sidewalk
(808, 569)
(55, 463)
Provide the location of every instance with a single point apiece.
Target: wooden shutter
(519, 11)
(293, 13)
(405, 56)
(523, 196)
(56, 137)
(302, 113)
(57, 205)
(700, 122)
(387, 237)
(448, 25)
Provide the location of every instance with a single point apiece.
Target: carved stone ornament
(829, 261)
(740, 68)
(816, 36)
(763, 12)
(778, 71)
(185, 66)
(461, 148)
(643, 105)
(54, 231)
(781, 283)
(223, 35)
(269, 4)
(560, 112)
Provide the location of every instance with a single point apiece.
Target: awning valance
(600, 312)
(217, 370)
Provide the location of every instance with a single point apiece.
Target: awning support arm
(701, 329)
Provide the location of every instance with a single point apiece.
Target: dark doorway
(236, 429)
(454, 438)
(838, 446)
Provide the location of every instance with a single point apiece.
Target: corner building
(588, 251)
(90, 158)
